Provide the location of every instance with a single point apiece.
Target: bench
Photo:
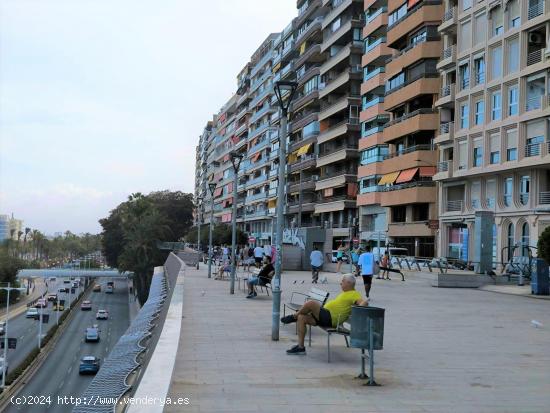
(342, 329)
(313, 294)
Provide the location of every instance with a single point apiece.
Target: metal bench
(313, 294)
(256, 272)
(342, 329)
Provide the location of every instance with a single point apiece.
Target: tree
(543, 245)
(221, 234)
(9, 266)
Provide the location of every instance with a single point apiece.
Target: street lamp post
(284, 90)
(199, 205)
(211, 188)
(236, 159)
(7, 289)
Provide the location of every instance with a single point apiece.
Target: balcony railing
(536, 102)
(524, 198)
(265, 109)
(372, 131)
(414, 184)
(448, 52)
(413, 10)
(454, 206)
(375, 101)
(410, 149)
(422, 111)
(379, 41)
(544, 198)
(446, 127)
(447, 90)
(534, 57)
(326, 200)
(444, 166)
(255, 197)
(479, 77)
(475, 204)
(260, 96)
(533, 149)
(377, 13)
(449, 14)
(370, 75)
(535, 10)
(331, 150)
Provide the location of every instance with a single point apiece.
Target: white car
(32, 312)
(102, 315)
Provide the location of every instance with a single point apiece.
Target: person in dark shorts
(333, 313)
(367, 265)
(263, 278)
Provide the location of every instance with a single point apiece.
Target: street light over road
(284, 90)
(7, 289)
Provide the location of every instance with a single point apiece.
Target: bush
(543, 245)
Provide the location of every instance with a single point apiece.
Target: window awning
(218, 192)
(406, 176)
(272, 203)
(388, 178)
(427, 171)
(276, 67)
(303, 150)
(255, 157)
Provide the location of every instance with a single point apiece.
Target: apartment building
(201, 173)
(339, 131)
(372, 147)
(257, 140)
(302, 171)
(399, 122)
(493, 137)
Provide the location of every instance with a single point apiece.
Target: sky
(103, 98)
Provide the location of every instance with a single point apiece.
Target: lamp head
(212, 188)
(236, 159)
(281, 88)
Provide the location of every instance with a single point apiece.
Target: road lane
(58, 376)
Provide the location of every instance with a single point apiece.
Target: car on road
(32, 312)
(41, 303)
(52, 297)
(66, 281)
(58, 307)
(97, 288)
(2, 328)
(53, 279)
(109, 289)
(75, 284)
(88, 365)
(92, 334)
(86, 305)
(63, 290)
(102, 315)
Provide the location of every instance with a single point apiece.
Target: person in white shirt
(366, 263)
(267, 251)
(316, 260)
(258, 256)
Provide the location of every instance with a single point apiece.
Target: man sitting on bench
(263, 278)
(334, 312)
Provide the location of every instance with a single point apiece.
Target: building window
(480, 28)
(533, 146)
(480, 112)
(524, 188)
(478, 156)
(507, 193)
(495, 157)
(395, 82)
(513, 55)
(464, 73)
(374, 154)
(464, 114)
(513, 13)
(511, 241)
(496, 62)
(511, 145)
(496, 18)
(513, 96)
(399, 214)
(466, 4)
(525, 240)
(397, 14)
(479, 67)
(496, 106)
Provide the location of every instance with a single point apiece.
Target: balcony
(305, 162)
(377, 55)
(261, 95)
(258, 164)
(304, 57)
(345, 52)
(535, 57)
(335, 179)
(257, 214)
(372, 108)
(424, 11)
(289, 47)
(342, 153)
(256, 197)
(448, 23)
(444, 170)
(544, 198)
(342, 79)
(273, 173)
(334, 203)
(261, 63)
(289, 68)
(267, 108)
(295, 145)
(306, 206)
(331, 108)
(302, 120)
(302, 100)
(257, 83)
(448, 58)
(307, 184)
(447, 96)
(373, 80)
(313, 26)
(430, 48)
(338, 8)
(341, 128)
(537, 103)
(425, 83)
(409, 193)
(375, 21)
(535, 10)
(411, 157)
(419, 120)
(345, 28)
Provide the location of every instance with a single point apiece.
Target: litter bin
(540, 284)
(367, 332)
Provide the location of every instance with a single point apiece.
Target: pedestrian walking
(316, 260)
(366, 263)
(340, 257)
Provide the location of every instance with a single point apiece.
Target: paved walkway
(446, 350)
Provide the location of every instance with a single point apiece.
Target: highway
(26, 329)
(58, 376)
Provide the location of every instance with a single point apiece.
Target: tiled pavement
(445, 350)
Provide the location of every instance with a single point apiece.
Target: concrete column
(483, 241)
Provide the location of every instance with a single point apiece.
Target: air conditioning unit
(536, 38)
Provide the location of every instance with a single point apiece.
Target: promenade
(445, 350)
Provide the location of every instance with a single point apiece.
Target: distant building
(4, 227)
(15, 226)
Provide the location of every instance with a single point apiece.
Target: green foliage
(9, 266)
(221, 234)
(131, 231)
(543, 245)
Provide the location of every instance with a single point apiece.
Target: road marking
(21, 338)
(61, 385)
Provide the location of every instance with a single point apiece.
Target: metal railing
(524, 198)
(377, 13)
(535, 10)
(449, 14)
(533, 149)
(410, 149)
(370, 75)
(479, 77)
(455, 206)
(448, 52)
(375, 101)
(421, 111)
(377, 42)
(534, 103)
(446, 127)
(534, 57)
(372, 131)
(415, 184)
(444, 166)
(447, 90)
(544, 198)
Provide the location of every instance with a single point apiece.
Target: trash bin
(540, 283)
(359, 335)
